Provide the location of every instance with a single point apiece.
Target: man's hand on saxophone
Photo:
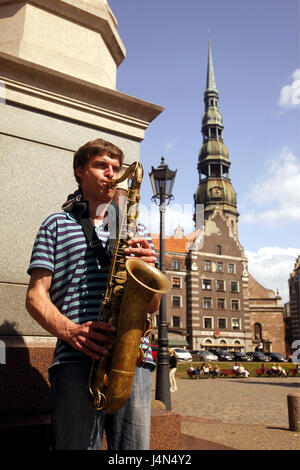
(141, 248)
(93, 338)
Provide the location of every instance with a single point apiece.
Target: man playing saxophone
(67, 283)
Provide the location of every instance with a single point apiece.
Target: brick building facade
(266, 317)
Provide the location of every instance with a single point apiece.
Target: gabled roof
(176, 245)
(257, 291)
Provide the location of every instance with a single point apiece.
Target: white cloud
(275, 198)
(290, 94)
(271, 267)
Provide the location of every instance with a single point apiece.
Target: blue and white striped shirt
(79, 282)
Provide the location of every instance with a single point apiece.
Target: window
(235, 305)
(176, 281)
(176, 322)
(221, 304)
(235, 324)
(206, 284)
(231, 268)
(220, 285)
(219, 250)
(257, 331)
(207, 265)
(234, 286)
(206, 302)
(208, 323)
(176, 300)
(175, 264)
(219, 267)
(221, 323)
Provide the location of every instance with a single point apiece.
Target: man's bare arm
(86, 338)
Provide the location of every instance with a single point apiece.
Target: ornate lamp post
(162, 181)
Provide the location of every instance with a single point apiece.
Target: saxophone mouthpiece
(113, 183)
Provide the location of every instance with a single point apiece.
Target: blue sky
(255, 48)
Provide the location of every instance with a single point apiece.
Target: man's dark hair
(93, 148)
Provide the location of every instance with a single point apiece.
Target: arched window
(257, 331)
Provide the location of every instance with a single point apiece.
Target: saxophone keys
(120, 277)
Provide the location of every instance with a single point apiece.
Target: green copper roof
(214, 191)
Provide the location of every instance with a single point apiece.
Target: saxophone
(130, 287)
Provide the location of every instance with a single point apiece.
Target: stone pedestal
(165, 430)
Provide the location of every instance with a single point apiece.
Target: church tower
(215, 188)
(217, 269)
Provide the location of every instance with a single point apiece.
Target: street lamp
(162, 181)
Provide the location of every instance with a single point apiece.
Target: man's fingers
(94, 338)
(91, 348)
(139, 251)
(139, 240)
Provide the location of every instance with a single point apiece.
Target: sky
(256, 52)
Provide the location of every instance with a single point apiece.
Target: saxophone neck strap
(80, 209)
(101, 253)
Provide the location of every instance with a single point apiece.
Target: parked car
(276, 357)
(258, 356)
(241, 356)
(250, 354)
(182, 354)
(223, 354)
(206, 356)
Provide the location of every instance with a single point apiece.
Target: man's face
(95, 176)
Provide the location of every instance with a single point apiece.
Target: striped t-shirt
(79, 282)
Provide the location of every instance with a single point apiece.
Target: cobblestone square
(247, 414)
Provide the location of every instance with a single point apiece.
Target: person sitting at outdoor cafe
(192, 371)
(216, 371)
(243, 372)
(281, 371)
(274, 369)
(206, 369)
(199, 372)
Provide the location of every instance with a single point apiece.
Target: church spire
(210, 80)
(215, 188)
